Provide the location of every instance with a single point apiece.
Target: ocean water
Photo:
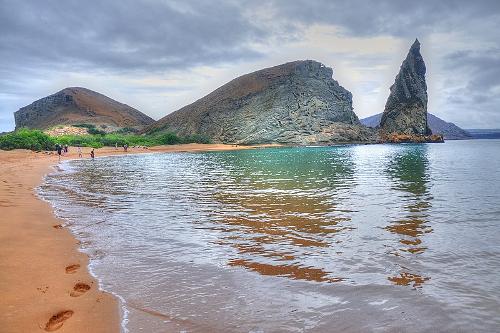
(357, 238)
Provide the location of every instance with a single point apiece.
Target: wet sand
(44, 281)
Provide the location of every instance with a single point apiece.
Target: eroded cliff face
(295, 103)
(78, 105)
(406, 108)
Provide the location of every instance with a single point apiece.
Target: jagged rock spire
(406, 108)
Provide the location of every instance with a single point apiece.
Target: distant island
(484, 133)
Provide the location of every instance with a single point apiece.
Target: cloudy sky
(159, 55)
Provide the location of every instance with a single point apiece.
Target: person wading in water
(59, 151)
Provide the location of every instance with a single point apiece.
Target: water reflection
(281, 210)
(291, 271)
(249, 241)
(408, 279)
(408, 170)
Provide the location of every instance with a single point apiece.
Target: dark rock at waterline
(413, 138)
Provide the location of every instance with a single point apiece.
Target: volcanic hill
(294, 103)
(77, 105)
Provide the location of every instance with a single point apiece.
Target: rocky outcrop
(406, 108)
(66, 130)
(450, 131)
(293, 103)
(79, 106)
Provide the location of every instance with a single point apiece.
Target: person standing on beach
(65, 149)
(92, 153)
(59, 151)
(79, 152)
(116, 145)
(125, 147)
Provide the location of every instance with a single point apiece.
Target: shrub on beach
(98, 141)
(167, 139)
(27, 139)
(112, 139)
(79, 140)
(37, 140)
(196, 138)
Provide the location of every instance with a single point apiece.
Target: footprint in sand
(72, 268)
(79, 289)
(5, 203)
(57, 320)
(43, 289)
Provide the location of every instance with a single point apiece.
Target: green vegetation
(27, 139)
(37, 140)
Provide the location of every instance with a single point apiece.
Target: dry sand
(44, 281)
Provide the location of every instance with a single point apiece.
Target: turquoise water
(362, 238)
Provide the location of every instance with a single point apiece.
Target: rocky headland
(294, 103)
(300, 103)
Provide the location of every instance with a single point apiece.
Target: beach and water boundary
(44, 278)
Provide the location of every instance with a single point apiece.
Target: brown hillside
(298, 102)
(77, 105)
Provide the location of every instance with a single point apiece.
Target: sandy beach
(44, 281)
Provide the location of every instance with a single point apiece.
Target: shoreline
(45, 279)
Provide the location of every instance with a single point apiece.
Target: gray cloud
(478, 92)
(123, 35)
(482, 68)
(389, 17)
(44, 41)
